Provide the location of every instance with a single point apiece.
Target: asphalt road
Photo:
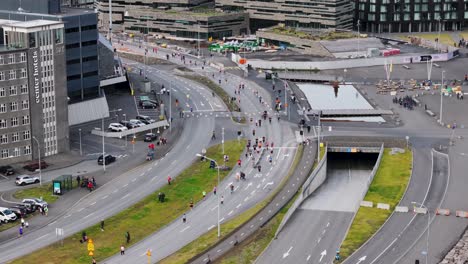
(120, 193)
(317, 228)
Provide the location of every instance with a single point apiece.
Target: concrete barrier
(462, 214)
(383, 206)
(367, 204)
(420, 210)
(445, 212)
(402, 209)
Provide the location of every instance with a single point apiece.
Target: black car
(108, 159)
(18, 210)
(29, 206)
(148, 105)
(128, 124)
(149, 137)
(7, 170)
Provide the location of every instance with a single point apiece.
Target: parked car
(7, 170)
(108, 159)
(33, 166)
(30, 206)
(6, 215)
(137, 122)
(26, 179)
(128, 124)
(149, 137)
(145, 119)
(19, 211)
(117, 127)
(148, 105)
(35, 201)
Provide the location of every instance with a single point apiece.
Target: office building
(386, 16)
(33, 95)
(79, 3)
(81, 38)
(310, 14)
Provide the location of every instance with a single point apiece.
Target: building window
(23, 73)
(3, 123)
(13, 106)
(16, 152)
(26, 120)
(26, 135)
(2, 76)
(25, 104)
(23, 88)
(13, 90)
(3, 139)
(27, 150)
(2, 60)
(4, 153)
(15, 137)
(3, 108)
(11, 58)
(12, 74)
(23, 57)
(14, 121)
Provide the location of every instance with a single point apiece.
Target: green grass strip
(210, 238)
(388, 186)
(143, 218)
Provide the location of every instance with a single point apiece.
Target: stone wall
(459, 253)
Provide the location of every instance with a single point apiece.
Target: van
(6, 215)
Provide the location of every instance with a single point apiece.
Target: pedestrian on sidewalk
(232, 188)
(20, 231)
(259, 167)
(94, 182)
(169, 179)
(214, 190)
(122, 250)
(41, 210)
(239, 162)
(102, 225)
(94, 261)
(204, 195)
(184, 219)
(27, 225)
(222, 200)
(127, 236)
(22, 221)
(78, 180)
(46, 210)
(191, 204)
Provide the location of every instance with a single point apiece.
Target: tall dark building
(81, 36)
(387, 16)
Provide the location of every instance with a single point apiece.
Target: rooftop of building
(65, 12)
(198, 12)
(29, 24)
(317, 34)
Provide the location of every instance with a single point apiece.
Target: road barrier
(383, 206)
(402, 209)
(442, 212)
(420, 210)
(463, 214)
(367, 204)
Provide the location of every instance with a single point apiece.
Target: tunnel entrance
(345, 184)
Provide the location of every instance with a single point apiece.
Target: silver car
(26, 179)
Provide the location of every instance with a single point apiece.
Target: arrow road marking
(324, 253)
(248, 185)
(361, 259)
(287, 252)
(308, 257)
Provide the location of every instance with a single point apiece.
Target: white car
(36, 202)
(137, 122)
(6, 215)
(26, 179)
(116, 127)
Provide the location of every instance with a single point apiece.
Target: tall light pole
(170, 106)
(441, 97)
(438, 36)
(222, 138)
(103, 142)
(217, 166)
(358, 37)
(39, 154)
(318, 137)
(428, 226)
(110, 21)
(81, 152)
(198, 52)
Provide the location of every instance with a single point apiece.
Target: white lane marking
(212, 209)
(187, 227)
(308, 257)
(211, 227)
(93, 203)
(125, 185)
(66, 216)
(174, 161)
(287, 252)
(142, 174)
(148, 170)
(246, 198)
(230, 213)
(125, 196)
(81, 209)
(188, 146)
(239, 205)
(52, 223)
(134, 180)
(39, 238)
(104, 197)
(222, 219)
(88, 215)
(116, 190)
(154, 178)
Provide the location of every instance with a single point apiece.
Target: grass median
(388, 186)
(210, 238)
(143, 218)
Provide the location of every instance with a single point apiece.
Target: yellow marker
(148, 253)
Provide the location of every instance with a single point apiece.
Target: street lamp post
(217, 166)
(345, 71)
(438, 36)
(170, 106)
(358, 37)
(81, 152)
(318, 138)
(39, 154)
(428, 226)
(441, 97)
(110, 21)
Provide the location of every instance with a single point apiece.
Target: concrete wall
(314, 181)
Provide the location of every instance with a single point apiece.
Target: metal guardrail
(158, 124)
